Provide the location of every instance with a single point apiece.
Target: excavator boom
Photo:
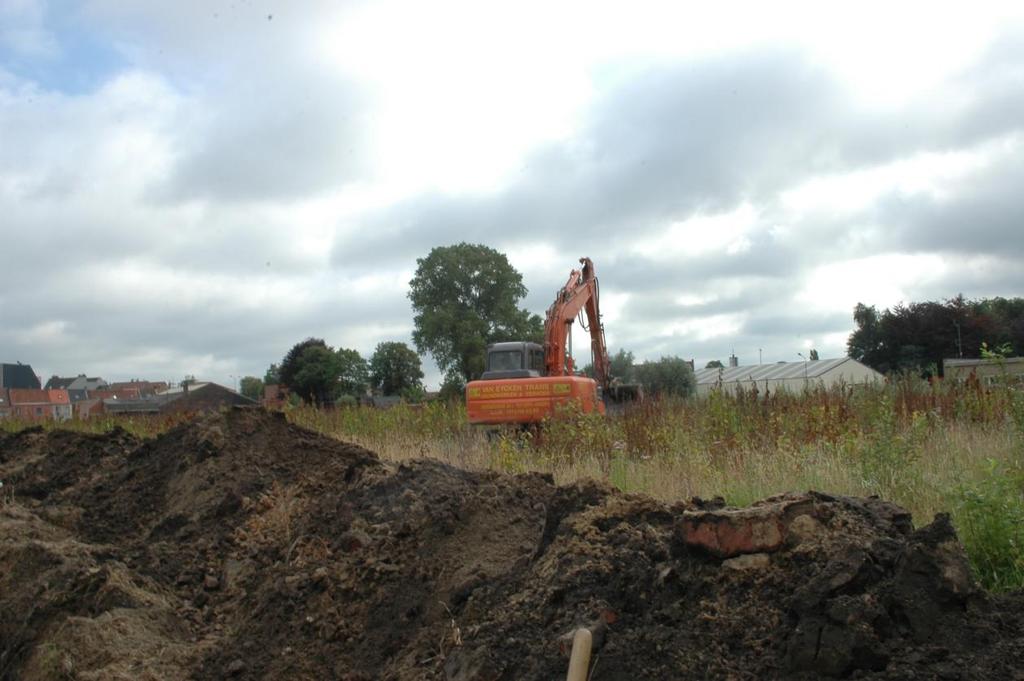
(580, 294)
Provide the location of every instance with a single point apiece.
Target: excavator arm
(580, 293)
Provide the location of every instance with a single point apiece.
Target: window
(537, 360)
(507, 360)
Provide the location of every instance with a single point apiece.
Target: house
(987, 371)
(37, 404)
(93, 404)
(78, 387)
(18, 376)
(60, 402)
(89, 407)
(191, 397)
(790, 376)
(274, 396)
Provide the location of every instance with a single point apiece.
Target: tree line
(320, 374)
(918, 337)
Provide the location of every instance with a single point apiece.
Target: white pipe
(579, 662)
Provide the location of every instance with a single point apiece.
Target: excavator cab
(516, 388)
(514, 360)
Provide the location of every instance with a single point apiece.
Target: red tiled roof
(29, 396)
(58, 396)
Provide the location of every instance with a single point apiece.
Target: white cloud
(701, 235)
(882, 280)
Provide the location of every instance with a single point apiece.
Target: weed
(989, 516)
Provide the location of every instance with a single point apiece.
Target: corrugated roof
(770, 372)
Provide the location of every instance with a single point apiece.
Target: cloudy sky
(192, 186)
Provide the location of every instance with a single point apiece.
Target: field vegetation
(930, 447)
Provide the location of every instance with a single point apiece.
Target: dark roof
(200, 397)
(18, 376)
(58, 383)
(150, 404)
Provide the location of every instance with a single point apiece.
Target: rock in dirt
(240, 546)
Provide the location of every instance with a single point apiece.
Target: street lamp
(801, 356)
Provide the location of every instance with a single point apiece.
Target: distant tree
(714, 364)
(812, 355)
(865, 344)
(414, 394)
(189, 379)
(313, 374)
(622, 365)
(273, 375)
(353, 375)
(252, 387)
(667, 376)
(290, 364)
(464, 297)
(919, 336)
(395, 369)
(453, 387)
(318, 374)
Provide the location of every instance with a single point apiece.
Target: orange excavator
(524, 383)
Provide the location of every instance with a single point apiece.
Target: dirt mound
(239, 546)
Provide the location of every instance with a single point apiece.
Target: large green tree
(464, 297)
(667, 376)
(395, 369)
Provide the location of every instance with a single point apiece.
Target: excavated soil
(241, 547)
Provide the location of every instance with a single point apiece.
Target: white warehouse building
(790, 376)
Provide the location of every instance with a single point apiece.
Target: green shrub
(989, 516)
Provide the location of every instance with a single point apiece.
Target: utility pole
(959, 345)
